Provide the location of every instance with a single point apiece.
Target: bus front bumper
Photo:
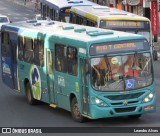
(106, 112)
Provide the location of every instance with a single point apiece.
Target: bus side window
(20, 48)
(38, 52)
(60, 61)
(72, 60)
(28, 50)
(90, 23)
(5, 44)
(71, 17)
(41, 52)
(52, 12)
(50, 63)
(74, 18)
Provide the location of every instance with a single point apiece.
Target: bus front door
(84, 86)
(50, 76)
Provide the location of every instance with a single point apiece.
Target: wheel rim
(76, 111)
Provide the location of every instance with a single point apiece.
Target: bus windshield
(136, 27)
(120, 73)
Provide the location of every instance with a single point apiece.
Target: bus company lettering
(125, 45)
(116, 46)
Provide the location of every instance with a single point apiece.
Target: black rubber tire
(155, 55)
(135, 116)
(29, 95)
(75, 111)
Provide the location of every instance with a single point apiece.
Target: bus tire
(155, 55)
(135, 116)
(29, 95)
(75, 111)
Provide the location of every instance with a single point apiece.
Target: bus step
(53, 105)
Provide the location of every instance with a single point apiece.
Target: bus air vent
(97, 33)
(100, 7)
(75, 1)
(80, 30)
(67, 27)
(50, 22)
(31, 21)
(37, 24)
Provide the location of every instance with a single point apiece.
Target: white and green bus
(91, 72)
(114, 19)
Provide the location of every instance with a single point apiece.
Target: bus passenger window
(36, 52)
(39, 52)
(28, 50)
(72, 60)
(50, 64)
(20, 48)
(5, 44)
(60, 53)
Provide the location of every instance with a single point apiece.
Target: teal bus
(59, 9)
(91, 72)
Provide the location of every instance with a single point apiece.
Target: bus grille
(121, 103)
(124, 96)
(130, 109)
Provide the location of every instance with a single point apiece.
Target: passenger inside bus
(111, 69)
(72, 60)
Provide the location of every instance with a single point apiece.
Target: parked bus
(59, 9)
(91, 72)
(112, 18)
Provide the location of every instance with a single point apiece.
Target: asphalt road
(16, 112)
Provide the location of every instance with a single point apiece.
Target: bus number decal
(35, 82)
(61, 81)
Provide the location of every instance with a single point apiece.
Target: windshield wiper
(109, 70)
(134, 62)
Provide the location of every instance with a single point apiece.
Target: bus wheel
(29, 95)
(135, 116)
(75, 111)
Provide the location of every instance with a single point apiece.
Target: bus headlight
(149, 97)
(98, 102)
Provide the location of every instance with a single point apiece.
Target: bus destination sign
(123, 24)
(118, 47)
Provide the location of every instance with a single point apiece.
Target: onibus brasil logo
(35, 82)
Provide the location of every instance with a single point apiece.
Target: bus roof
(106, 13)
(70, 31)
(68, 3)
